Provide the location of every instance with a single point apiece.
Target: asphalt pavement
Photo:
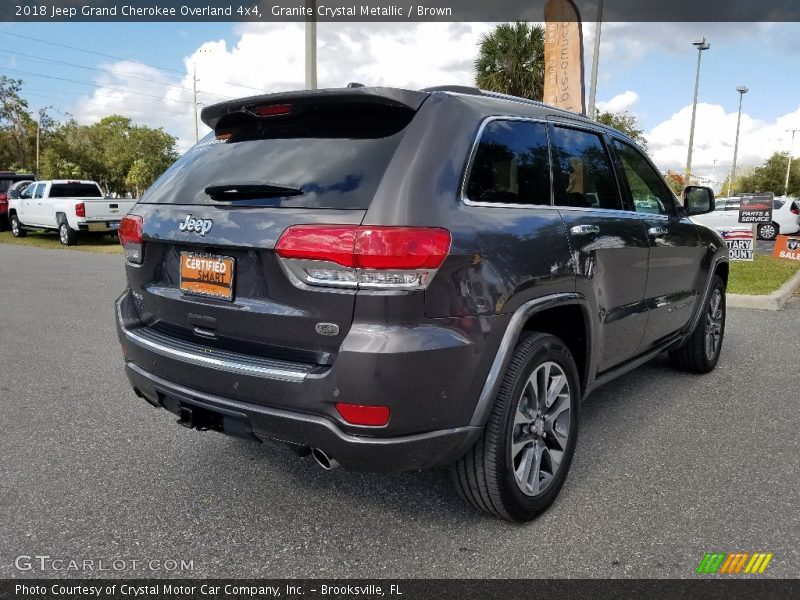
(669, 466)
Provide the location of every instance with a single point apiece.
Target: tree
(17, 128)
(675, 181)
(625, 122)
(511, 60)
(771, 177)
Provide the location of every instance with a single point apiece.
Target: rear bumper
(100, 225)
(431, 385)
(359, 453)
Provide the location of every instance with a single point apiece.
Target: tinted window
(583, 173)
(511, 164)
(648, 190)
(336, 155)
(75, 190)
(38, 191)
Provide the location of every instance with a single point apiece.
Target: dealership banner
(563, 56)
(756, 208)
(787, 247)
(740, 242)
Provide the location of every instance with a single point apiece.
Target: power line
(94, 85)
(28, 37)
(107, 71)
(98, 104)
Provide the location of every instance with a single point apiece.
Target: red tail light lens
(80, 209)
(795, 209)
(357, 414)
(375, 257)
(130, 237)
(273, 110)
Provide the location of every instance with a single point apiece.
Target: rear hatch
(211, 222)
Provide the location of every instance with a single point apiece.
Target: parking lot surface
(668, 466)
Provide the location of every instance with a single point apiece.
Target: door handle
(657, 231)
(585, 230)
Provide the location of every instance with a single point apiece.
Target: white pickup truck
(67, 206)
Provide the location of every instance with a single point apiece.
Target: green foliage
(122, 157)
(762, 276)
(626, 123)
(770, 177)
(511, 60)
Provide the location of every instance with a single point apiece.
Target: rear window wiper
(250, 191)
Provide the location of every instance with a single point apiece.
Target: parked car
(68, 206)
(16, 189)
(7, 180)
(390, 279)
(785, 217)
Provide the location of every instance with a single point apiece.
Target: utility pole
(42, 112)
(714, 173)
(311, 45)
(194, 103)
(742, 91)
(789, 168)
(596, 60)
(701, 44)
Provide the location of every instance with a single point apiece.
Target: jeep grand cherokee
(391, 279)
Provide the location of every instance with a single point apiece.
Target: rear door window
(324, 156)
(582, 173)
(511, 164)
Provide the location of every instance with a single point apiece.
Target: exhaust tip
(323, 460)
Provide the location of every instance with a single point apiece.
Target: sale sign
(740, 242)
(787, 247)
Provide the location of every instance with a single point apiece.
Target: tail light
(795, 209)
(361, 256)
(80, 209)
(130, 237)
(3, 199)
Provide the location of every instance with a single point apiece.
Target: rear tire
(518, 465)
(16, 227)
(66, 234)
(700, 353)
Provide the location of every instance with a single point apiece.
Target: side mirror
(698, 200)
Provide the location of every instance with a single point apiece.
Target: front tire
(700, 353)
(16, 227)
(768, 231)
(66, 234)
(517, 467)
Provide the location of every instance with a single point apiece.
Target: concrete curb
(773, 301)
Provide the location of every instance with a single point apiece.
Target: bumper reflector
(357, 414)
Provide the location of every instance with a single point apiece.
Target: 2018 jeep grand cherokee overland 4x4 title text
(403, 279)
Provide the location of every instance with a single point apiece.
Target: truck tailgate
(106, 209)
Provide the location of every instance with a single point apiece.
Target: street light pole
(194, 103)
(596, 60)
(701, 44)
(789, 168)
(311, 45)
(742, 91)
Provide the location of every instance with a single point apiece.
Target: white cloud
(715, 137)
(620, 103)
(270, 57)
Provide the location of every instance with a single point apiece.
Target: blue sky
(646, 68)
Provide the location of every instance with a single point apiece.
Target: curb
(773, 301)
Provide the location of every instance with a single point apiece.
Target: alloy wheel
(541, 428)
(714, 321)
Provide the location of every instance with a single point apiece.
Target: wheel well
(568, 323)
(61, 217)
(722, 271)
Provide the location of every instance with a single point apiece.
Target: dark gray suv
(390, 279)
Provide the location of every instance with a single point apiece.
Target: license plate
(113, 225)
(207, 275)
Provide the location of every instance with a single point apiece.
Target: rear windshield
(329, 156)
(75, 190)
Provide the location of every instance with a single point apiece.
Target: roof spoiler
(211, 115)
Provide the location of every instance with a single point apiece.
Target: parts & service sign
(756, 208)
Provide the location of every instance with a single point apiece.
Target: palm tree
(511, 60)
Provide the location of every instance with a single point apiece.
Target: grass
(49, 239)
(762, 276)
